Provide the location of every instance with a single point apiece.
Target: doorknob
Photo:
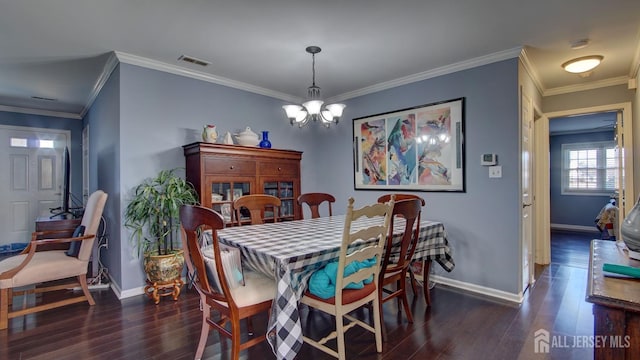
(525, 205)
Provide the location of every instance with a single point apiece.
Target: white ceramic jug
(210, 134)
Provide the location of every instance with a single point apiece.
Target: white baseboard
(124, 294)
(574, 228)
(483, 290)
(130, 293)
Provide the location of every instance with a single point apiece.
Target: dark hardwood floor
(571, 248)
(459, 325)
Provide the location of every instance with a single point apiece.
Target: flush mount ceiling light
(313, 109)
(582, 64)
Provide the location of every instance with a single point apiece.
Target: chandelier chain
(313, 69)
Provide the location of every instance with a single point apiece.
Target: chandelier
(313, 109)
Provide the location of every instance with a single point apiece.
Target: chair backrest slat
(193, 221)
(313, 200)
(256, 205)
(409, 211)
(399, 197)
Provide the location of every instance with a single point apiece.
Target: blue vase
(265, 143)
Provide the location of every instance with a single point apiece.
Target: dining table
(291, 251)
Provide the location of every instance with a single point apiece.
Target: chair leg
(380, 311)
(204, 332)
(4, 308)
(405, 301)
(235, 340)
(249, 326)
(399, 286)
(377, 323)
(340, 334)
(85, 289)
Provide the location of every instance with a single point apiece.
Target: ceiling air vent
(43, 98)
(192, 60)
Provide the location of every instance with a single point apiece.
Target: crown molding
(112, 63)
(198, 75)
(589, 86)
(443, 70)
(31, 111)
(531, 70)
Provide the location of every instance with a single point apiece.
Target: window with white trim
(589, 168)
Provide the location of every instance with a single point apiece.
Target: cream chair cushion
(44, 266)
(257, 288)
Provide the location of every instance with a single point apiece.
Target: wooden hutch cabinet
(221, 173)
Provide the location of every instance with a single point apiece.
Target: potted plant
(153, 216)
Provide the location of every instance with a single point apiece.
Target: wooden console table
(616, 303)
(56, 224)
(47, 224)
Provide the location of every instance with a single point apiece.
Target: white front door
(526, 162)
(31, 178)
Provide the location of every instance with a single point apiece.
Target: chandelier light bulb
(313, 106)
(292, 110)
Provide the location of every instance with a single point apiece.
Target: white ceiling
(58, 49)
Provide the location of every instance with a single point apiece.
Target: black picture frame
(414, 149)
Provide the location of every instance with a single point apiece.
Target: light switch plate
(495, 171)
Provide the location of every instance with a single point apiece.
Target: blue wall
(58, 123)
(580, 210)
(159, 112)
(142, 117)
(482, 224)
(103, 121)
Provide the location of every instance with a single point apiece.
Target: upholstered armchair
(37, 265)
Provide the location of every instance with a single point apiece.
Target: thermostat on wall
(489, 159)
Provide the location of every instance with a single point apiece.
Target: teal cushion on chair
(323, 281)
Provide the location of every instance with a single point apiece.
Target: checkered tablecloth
(291, 251)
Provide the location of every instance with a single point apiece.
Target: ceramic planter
(164, 269)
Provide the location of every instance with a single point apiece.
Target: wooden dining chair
(256, 204)
(400, 197)
(409, 211)
(313, 200)
(232, 303)
(346, 300)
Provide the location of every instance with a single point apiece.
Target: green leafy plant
(153, 213)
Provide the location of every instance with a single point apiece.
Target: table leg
(426, 270)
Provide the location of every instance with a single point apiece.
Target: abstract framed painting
(414, 149)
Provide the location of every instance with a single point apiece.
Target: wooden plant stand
(155, 291)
